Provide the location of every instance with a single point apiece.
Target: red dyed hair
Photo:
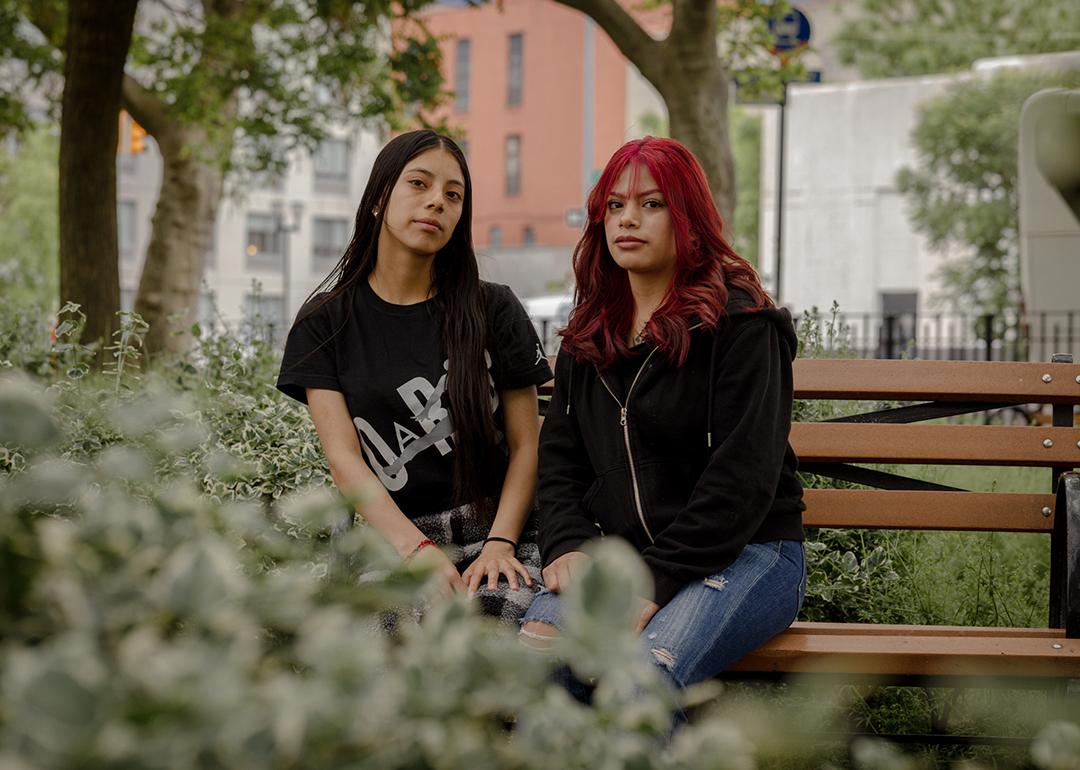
(706, 267)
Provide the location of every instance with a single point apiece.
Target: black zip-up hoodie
(688, 463)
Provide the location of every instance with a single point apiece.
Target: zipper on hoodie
(624, 423)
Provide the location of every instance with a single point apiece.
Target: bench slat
(998, 381)
(963, 444)
(953, 511)
(891, 629)
(890, 380)
(921, 654)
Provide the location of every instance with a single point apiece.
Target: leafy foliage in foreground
(149, 625)
(163, 602)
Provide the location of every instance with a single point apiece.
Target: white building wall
(643, 103)
(847, 236)
(847, 230)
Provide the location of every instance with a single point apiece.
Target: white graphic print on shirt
(425, 403)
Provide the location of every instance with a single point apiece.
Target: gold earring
(374, 212)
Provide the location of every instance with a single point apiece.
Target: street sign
(790, 32)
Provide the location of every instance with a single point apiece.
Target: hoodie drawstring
(709, 398)
(570, 385)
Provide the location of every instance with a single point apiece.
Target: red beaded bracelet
(422, 544)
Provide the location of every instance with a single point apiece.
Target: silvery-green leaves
(165, 602)
(1057, 747)
(26, 421)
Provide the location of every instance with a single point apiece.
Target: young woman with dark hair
(421, 375)
(669, 422)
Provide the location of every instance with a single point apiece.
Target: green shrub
(163, 599)
(143, 628)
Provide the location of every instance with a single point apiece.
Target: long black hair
(458, 299)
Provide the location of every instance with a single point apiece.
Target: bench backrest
(838, 447)
(893, 435)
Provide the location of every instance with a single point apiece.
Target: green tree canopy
(233, 87)
(29, 248)
(264, 76)
(888, 38)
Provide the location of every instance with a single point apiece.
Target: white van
(549, 313)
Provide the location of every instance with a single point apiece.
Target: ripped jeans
(712, 623)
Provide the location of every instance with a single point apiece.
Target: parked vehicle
(549, 313)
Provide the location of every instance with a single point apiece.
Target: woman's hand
(645, 614)
(561, 572)
(445, 578)
(494, 560)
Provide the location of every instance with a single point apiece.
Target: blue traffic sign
(790, 32)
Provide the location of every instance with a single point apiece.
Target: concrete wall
(847, 236)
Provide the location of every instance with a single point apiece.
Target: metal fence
(941, 336)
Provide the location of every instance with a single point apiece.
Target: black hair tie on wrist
(494, 539)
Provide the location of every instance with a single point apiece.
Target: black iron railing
(944, 336)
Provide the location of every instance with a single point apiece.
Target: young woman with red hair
(669, 422)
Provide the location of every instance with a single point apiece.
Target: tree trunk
(686, 69)
(192, 185)
(702, 125)
(191, 190)
(96, 47)
(187, 206)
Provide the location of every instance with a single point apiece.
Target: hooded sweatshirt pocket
(666, 486)
(612, 506)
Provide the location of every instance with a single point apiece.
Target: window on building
(263, 251)
(528, 236)
(495, 236)
(267, 180)
(331, 163)
(515, 70)
(125, 230)
(264, 315)
(462, 66)
(126, 163)
(329, 237)
(513, 164)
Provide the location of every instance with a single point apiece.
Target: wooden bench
(926, 655)
(940, 654)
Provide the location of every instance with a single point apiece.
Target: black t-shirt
(390, 363)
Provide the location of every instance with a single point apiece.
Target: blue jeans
(712, 623)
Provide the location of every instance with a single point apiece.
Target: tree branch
(50, 20)
(148, 109)
(634, 42)
(693, 22)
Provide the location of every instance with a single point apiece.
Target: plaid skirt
(460, 532)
